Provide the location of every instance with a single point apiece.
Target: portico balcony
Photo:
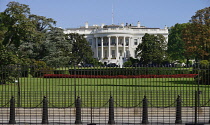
(106, 44)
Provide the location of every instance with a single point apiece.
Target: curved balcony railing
(120, 44)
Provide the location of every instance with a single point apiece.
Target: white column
(129, 46)
(102, 48)
(139, 40)
(117, 51)
(124, 44)
(109, 49)
(129, 43)
(96, 47)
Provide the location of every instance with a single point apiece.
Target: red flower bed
(119, 76)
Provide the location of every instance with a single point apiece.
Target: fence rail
(142, 112)
(108, 95)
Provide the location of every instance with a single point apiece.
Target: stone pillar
(140, 40)
(124, 45)
(117, 48)
(96, 47)
(109, 49)
(102, 48)
(129, 46)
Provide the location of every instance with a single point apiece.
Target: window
(105, 54)
(121, 42)
(120, 52)
(127, 53)
(113, 41)
(99, 42)
(113, 53)
(127, 42)
(90, 41)
(99, 54)
(135, 41)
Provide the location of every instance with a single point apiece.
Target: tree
(81, 51)
(24, 33)
(176, 46)
(36, 46)
(197, 42)
(152, 49)
(19, 27)
(202, 17)
(197, 35)
(8, 61)
(2, 27)
(58, 48)
(42, 23)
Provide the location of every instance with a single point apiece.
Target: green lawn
(126, 92)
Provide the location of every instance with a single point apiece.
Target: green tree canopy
(18, 26)
(42, 23)
(81, 51)
(152, 49)
(202, 17)
(197, 35)
(58, 48)
(23, 33)
(176, 46)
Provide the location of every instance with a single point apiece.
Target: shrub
(61, 72)
(203, 71)
(127, 64)
(8, 73)
(39, 68)
(204, 64)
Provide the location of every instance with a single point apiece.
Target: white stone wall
(104, 52)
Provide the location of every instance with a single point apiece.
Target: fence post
(45, 111)
(145, 111)
(111, 111)
(12, 111)
(78, 111)
(178, 110)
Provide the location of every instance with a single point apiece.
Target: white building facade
(115, 43)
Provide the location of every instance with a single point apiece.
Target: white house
(115, 43)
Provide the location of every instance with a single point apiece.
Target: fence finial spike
(179, 97)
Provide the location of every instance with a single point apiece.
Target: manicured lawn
(127, 92)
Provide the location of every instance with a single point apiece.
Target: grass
(126, 92)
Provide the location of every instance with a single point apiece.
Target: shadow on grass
(164, 84)
(183, 82)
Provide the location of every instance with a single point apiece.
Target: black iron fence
(104, 95)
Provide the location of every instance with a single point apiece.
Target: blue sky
(151, 13)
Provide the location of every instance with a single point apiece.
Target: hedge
(119, 76)
(128, 71)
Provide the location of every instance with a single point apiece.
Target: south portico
(109, 48)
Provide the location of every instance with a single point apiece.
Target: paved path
(100, 115)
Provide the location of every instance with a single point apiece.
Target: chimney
(165, 27)
(102, 25)
(122, 24)
(86, 24)
(138, 24)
